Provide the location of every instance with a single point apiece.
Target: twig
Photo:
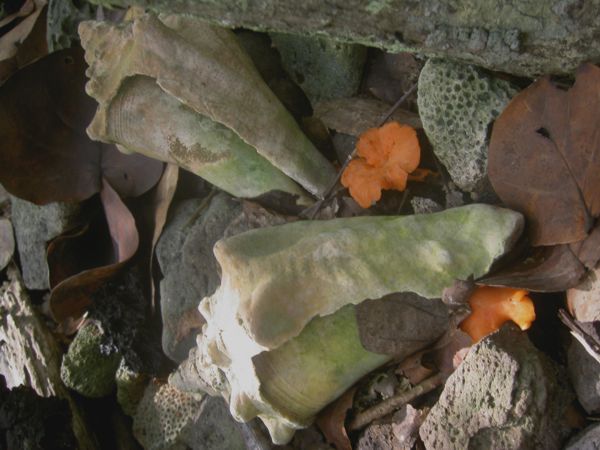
(353, 154)
(389, 405)
(589, 342)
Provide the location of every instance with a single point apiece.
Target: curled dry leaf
(546, 269)
(45, 154)
(26, 41)
(71, 297)
(386, 156)
(544, 157)
(331, 420)
(491, 307)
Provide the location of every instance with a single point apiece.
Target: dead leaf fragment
(45, 153)
(400, 324)
(7, 242)
(331, 421)
(386, 156)
(544, 157)
(26, 41)
(547, 269)
(71, 297)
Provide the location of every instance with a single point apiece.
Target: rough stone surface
(588, 439)
(84, 368)
(190, 269)
(62, 19)
(324, 69)
(170, 419)
(34, 227)
(457, 103)
(130, 387)
(584, 372)
(584, 300)
(191, 272)
(505, 394)
(400, 432)
(525, 37)
(7, 242)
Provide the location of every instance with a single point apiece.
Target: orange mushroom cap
(386, 156)
(491, 307)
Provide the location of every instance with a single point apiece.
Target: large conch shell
(183, 91)
(281, 337)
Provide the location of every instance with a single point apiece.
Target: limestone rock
(505, 394)
(85, 368)
(457, 103)
(282, 325)
(584, 300)
(185, 256)
(7, 242)
(323, 68)
(30, 355)
(169, 419)
(34, 227)
(584, 372)
(588, 439)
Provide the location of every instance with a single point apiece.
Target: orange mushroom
(491, 307)
(386, 156)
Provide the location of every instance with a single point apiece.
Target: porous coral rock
(167, 418)
(265, 348)
(85, 368)
(457, 104)
(505, 394)
(130, 387)
(325, 69)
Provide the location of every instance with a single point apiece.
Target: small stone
(505, 394)
(584, 372)
(457, 103)
(588, 439)
(584, 300)
(35, 226)
(324, 69)
(423, 205)
(400, 432)
(167, 418)
(85, 368)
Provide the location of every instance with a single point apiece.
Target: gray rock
(63, 17)
(190, 269)
(400, 432)
(505, 395)
(584, 372)
(191, 272)
(457, 103)
(323, 68)
(85, 368)
(588, 439)
(34, 226)
(170, 419)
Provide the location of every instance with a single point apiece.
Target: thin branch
(589, 342)
(391, 404)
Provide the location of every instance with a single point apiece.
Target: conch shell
(281, 337)
(183, 91)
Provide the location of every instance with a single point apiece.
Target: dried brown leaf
(544, 157)
(400, 324)
(331, 421)
(45, 153)
(547, 269)
(26, 41)
(71, 297)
